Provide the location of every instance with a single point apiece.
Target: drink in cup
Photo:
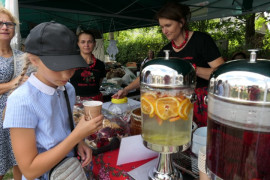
(92, 109)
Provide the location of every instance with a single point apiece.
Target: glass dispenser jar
(238, 142)
(167, 94)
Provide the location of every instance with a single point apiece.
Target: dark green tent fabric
(115, 15)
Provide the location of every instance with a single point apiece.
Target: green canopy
(115, 15)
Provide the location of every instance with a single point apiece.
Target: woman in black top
(196, 47)
(87, 81)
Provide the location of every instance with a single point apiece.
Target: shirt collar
(43, 87)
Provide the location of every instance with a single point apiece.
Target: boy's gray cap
(55, 45)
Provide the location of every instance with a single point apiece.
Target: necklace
(183, 43)
(94, 62)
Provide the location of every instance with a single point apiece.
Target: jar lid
(168, 73)
(119, 101)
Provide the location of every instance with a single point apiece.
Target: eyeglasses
(9, 25)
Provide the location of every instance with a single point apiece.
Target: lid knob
(253, 55)
(166, 54)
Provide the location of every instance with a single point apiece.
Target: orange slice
(150, 96)
(166, 107)
(147, 107)
(174, 118)
(184, 108)
(187, 109)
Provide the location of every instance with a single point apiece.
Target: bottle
(120, 111)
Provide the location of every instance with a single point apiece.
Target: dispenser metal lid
(243, 81)
(168, 72)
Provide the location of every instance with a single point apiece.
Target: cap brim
(61, 63)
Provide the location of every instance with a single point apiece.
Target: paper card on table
(132, 150)
(142, 172)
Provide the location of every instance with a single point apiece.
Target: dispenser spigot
(167, 53)
(253, 55)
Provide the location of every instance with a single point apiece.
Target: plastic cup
(202, 164)
(92, 109)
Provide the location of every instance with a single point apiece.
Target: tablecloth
(105, 168)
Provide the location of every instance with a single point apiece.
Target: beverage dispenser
(167, 96)
(238, 139)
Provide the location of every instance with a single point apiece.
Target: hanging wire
(112, 24)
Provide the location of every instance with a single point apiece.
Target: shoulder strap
(70, 116)
(69, 110)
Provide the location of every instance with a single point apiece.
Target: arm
(123, 92)
(33, 164)
(206, 72)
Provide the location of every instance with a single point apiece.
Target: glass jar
(120, 111)
(136, 122)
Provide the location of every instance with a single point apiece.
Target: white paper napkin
(132, 150)
(142, 172)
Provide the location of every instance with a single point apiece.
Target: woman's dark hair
(87, 32)
(175, 11)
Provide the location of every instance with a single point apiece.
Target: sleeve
(19, 113)
(210, 49)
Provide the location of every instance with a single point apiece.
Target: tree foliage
(133, 45)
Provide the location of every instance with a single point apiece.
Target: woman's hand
(124, 92)
(120, 94)
(85, 152)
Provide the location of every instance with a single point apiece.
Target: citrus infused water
(167, 116)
